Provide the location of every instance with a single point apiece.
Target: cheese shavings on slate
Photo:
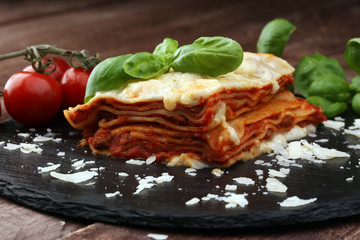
(156, 236)
(48, 169)
(77, 177)
(296, 202)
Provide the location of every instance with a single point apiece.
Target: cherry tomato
(32, 98)
(73, 85)
(61, 67)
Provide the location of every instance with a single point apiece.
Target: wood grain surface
(117, 27)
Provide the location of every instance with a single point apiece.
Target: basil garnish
(212, 56)
(167, 49)
(145, 65)
(107, 75)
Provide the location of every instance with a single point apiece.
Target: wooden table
(117, 27)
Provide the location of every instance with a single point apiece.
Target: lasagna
(196, 120)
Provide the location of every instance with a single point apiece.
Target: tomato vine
(35, 55)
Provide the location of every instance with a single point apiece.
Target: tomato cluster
(33, 98)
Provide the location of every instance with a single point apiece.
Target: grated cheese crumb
(28, 148)
(337, 125)
(165, 177)
(217, 172)
(156, 236)
(192, 201)
(244, 180)
(235, 200)
(150, 160)
(23, 135)
(60, 154)
(229, 187)
(295, 202)
(357, 146)
(274, 185)
(50, 168)
(209, 196)
(350, 179)
(11, 146)
(77, 177)
(149, 182)
(338, 118)
(114, 194)
(78, 164)
(135, 162)
(259, 162)
(355, 132)
(40, 138)
(123, 174)
(283, 172)
(191, 172)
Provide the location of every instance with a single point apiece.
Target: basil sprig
(274, 36)
(212, 56)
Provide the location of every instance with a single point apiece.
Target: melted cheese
(173, 88)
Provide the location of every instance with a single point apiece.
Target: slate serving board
(164, 205)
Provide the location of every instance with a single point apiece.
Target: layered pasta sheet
(224, 124)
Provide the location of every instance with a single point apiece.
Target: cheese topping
(173, 88)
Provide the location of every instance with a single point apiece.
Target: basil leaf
(274, 36)
(212, 56)
(331, 87)
(356, 103)
(352, 54)
(355, 85)
(311, 67)
(330, 109)
(167, 49)
(145, 65)
(107, 75)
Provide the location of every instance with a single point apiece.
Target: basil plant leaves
(211, 56)
(322, 81)
(352, 54)
(274, 36)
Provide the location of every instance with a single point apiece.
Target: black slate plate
(164, 204)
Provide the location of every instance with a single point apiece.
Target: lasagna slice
(185, 118)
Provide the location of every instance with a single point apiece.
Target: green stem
(39, 51)
(40, 48)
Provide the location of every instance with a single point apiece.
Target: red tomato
(61, 67)
(73, 85)
(32, 98)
